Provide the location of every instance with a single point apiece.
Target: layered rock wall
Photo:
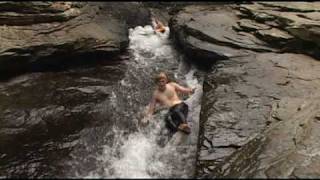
(38, 36)
(259, 110)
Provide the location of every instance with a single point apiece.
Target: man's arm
(152, 105)
(150, 110)
(154, 23)
(182, 89)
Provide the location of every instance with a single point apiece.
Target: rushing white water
(148, 152)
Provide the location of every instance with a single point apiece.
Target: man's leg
(170, 122)
(175, 121)
(182, 112)
(179, 115)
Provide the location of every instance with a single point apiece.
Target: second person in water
(158, 26)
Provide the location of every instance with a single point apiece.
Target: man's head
(161, 80)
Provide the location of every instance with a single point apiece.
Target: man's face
(162, 83)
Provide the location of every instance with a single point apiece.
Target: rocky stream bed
(258, 64)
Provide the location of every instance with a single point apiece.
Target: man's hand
(145, 121)
(192, 90)
(182, 89)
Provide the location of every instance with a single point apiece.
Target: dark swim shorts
(177, 115)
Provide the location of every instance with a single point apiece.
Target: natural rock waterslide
(40, 36)
(259, 114)
(84, 121)
(259, 109)
(39, 111)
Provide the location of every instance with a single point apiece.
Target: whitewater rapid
(147, 152)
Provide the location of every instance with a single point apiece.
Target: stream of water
(112, 144)
(147, 152)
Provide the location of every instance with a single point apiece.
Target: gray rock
(194, 28)
(293, 6)
(239, 109)
(40, 37)
(34, 13)
(132, 13)
(282, 151)
(297, 21)
(259, 111)
(275, 36)
(53, 103)
(249, 25)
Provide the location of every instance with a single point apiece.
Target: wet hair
(160, 76)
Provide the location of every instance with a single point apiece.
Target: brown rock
(275, 36)
(55, 34)
(293, 6)
(249, 25)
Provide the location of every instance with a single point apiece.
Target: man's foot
(184, 128)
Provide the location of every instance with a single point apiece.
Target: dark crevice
(59, 62)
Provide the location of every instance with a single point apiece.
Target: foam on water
(139, 154)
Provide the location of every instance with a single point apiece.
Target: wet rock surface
(294, 21)
(48, 35)
(42, 113)
(80, 56)
(240, 99)
(259, 26)
(251, 121)
(196, 22)
(287, 149)
(259, 115)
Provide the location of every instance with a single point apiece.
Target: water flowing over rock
(143, 152)
(84, 121)
(259, 108)
(39, 108)
(44, 111)
(258, 100)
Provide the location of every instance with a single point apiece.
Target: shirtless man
(158, 26)
(166, 94)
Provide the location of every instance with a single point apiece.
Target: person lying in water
(166, 94)
(158, 26)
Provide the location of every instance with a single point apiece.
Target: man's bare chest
(168, 93)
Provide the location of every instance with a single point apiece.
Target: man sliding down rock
(166, 94)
